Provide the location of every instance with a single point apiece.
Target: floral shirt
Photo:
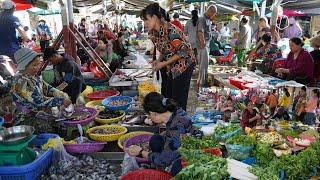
(269, 52)
(33, 94)
(170, 41)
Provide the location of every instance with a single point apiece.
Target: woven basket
(112, 120)
(124, 138)
(84, 148)
(96, 105)
(107, 137)
(135, 140)
(93, 114)
(147, 174)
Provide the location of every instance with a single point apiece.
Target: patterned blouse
(269, 52)
(32, 93)
(170, 41)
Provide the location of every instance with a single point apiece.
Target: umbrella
(21, 7)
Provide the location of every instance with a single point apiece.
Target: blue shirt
(8, 39)
(43, 31)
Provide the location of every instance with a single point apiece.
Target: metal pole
(65, 24)
(263, 8)
(71, 25)
(202, 8)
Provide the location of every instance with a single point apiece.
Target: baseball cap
(8, 4)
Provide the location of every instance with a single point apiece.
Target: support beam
(263, 8)
(73, 49)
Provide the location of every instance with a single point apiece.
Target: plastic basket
(96, 105)
(125, 137)
(111, 120)
(239, 152)
(100, 95)
(135, 140)
(106, 102)
(84, 148)
(93, 114)
(147, 174)
(32, 170)
(223, 137)
(107, 137)
(213, 151)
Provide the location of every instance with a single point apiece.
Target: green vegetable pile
(214, 169)
(299, 166)
(264, 154)
(220, 129)
(242, 140)
(194, 156)
(292, 133)
(190, 142)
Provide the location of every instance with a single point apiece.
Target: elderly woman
(299, 65)
(30, 93)
(177, 60)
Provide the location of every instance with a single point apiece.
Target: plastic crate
(32, 170)
(29, 171)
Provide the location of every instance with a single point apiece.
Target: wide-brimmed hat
(8, 4)
(24, 56)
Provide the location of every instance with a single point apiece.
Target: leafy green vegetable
(214, 169)
(300, 166)
(264, 154)
(193, 156)
(242, 140)
(190, 142)
(292, 133)
(265, 174)
(220, 129)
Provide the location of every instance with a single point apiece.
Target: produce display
(189, 142)
(312, 133)
(242, 140)
(118, 103)
(109, 114)
(193, 156)
(221, 129)
(105, 131)
(214, 169)
(270, 138)
(292, 133)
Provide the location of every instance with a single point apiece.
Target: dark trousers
(44, 44)
(74, 89)
(177, 88)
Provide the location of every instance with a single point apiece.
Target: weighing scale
(14, 148)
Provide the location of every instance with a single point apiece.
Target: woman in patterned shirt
(177, 60)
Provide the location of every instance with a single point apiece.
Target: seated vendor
(104, 53)
(250, 117)
(119, 46)
(29, 92)
(227, 109)
(68, 77)
(299, 64)
(268, 53)
(281, 114)
(164, 148)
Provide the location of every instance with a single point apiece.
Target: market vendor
(29, 92)
(268, 53)
(68, 77)
(311, 107)
(299, 64)
(166, 111)
(227, 109)
(299, 104)
(282, 114)
(104, 53)
(176, 60)
(250, 117)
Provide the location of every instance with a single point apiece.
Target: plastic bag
(61, 158)
(157, 80)
(239, 152)
(129, 164)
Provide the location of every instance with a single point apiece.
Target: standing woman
(285, 100)
(191, 30)
(177, 59)
(311, 107)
